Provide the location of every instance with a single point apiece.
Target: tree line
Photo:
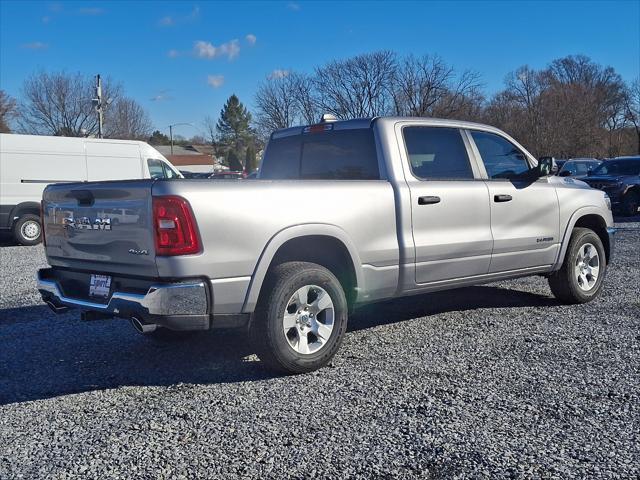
(573, 107)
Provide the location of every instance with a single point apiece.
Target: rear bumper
(183, 305)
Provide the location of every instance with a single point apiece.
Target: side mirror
(564, 173)
(545, 166)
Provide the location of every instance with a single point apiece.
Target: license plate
(99, 285)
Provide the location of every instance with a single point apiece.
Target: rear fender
(284, 236)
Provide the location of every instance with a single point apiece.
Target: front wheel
(580, 278)
(630, 204)
(300, 319)
(27, 230)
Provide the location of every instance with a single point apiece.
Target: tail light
(44, 240)
(174, 226)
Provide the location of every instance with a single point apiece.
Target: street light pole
(98, 104)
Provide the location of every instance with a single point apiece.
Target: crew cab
(342, 213)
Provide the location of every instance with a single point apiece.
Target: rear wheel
(630, 204)
(580, 278)
(301, 318)
(27, 230)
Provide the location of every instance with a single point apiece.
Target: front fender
(289, 233)
(579, 213)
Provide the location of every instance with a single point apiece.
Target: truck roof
(368, 122)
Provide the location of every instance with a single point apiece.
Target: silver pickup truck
(342, 213)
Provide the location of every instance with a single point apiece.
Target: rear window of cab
(326, 155)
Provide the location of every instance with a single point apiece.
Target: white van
(28, 163)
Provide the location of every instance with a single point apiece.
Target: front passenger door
(524, 210)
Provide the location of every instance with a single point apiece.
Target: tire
(27, 230)
(291, 335)
(630, 203)
(573, 283)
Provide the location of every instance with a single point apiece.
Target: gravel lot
(490, 381)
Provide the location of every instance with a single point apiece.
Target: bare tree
(7, 111)
(60, 104)
(574, 107)
(276, 104)
(360, 86)
(126, 119)
(210, 132)
(428, 86)
(632, 109)
(309, 109)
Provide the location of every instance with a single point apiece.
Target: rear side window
(501, 158)
(327, 155)
(437, 153)
(155, 169)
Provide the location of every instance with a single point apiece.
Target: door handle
(502, 198)
(428, 200)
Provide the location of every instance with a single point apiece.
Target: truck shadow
(43, 355)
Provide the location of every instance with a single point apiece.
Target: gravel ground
(490, 381)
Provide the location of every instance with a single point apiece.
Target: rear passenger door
(524, 210)
(449, 205)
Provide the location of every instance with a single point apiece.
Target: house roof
(182, 160)
(177, 150)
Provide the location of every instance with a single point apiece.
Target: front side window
(501, 158)
(437, 153)
(155, 169)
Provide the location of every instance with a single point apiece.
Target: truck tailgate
(102, 227)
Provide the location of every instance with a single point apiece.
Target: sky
(182, 60)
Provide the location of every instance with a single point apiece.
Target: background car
(620, 179)
(578, 166)
(229, 175)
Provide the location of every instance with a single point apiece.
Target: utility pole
(171, 137)
(97, 103)
(171, 132)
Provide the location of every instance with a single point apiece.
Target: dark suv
(620, 179)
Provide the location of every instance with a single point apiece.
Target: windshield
(619, 167)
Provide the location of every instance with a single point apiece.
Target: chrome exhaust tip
(142, 327)
(56, 309)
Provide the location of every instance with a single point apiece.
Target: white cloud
(46, 19)
(173, 53)
(35, 46)
(251, 39)
(173, 20)
(294, 6)
(215, 80)
(278, 73)
(160, 97)
(209, 51)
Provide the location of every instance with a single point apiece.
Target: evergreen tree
(233, 127)
(159, 138)
(234, 161)
(250, 161)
